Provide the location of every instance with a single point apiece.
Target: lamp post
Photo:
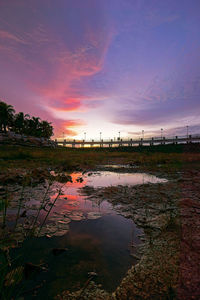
(161, 133)
(119, 135)
(100, 135)
(187, 130)
(85, 136)
(143, 134)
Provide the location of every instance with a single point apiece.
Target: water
(96, 237)
(101, 246)
(73, 201)
(107, 178)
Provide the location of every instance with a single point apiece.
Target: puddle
(106, 178)
(119, 166)
(102, 246)
(72, 205)
(96, 237)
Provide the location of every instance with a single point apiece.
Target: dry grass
(16, 156)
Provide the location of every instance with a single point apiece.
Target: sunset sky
(103, 65)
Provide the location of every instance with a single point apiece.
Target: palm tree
(6, 115)
(20, 122)
(34, 126)
(46, 129)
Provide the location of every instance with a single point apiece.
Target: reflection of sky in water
(103, 246)
(101, 241)
(74, 205)
(72, 200)
(103, 179)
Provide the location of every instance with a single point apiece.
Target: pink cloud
(68, 127)
(5, 35)
(51, 66)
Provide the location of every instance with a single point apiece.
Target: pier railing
(129, 141)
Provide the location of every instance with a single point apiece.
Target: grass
(166, 156)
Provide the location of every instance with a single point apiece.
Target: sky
(105, 66)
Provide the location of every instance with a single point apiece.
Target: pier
(129, 142)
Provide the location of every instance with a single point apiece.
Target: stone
(58, 251)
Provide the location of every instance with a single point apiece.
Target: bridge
(129, 142)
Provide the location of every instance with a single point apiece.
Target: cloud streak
(54, 62)
(117, 62)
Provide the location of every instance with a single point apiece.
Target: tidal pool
(96, 238)
(72, 201)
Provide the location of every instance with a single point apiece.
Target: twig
(59, 193)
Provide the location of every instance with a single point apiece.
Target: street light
(187, 130)
(119, 135)
(85, 136)
(143, 134)
(161, 132)
(100, 135)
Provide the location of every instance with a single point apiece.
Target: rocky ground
(12, 138)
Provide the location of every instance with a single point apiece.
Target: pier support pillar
(163, 140)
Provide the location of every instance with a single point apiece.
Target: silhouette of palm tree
(20, 122)
(46, 129)
(6, 115)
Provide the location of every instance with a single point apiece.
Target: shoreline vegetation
(168, 260)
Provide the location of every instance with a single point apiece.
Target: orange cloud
(68, 105)
(68, 128)
(53, 61)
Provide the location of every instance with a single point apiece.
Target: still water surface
(98, 239)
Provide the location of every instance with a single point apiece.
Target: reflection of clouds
(79, 207)
(69, 197)
(75, 183)
(107, 178)
(86, 241)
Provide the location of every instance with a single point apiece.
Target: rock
(63, 178)
(58, 251)
(93, 274)
(93, 215)
(79, 179)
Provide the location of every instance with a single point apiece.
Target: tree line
(22, 123)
